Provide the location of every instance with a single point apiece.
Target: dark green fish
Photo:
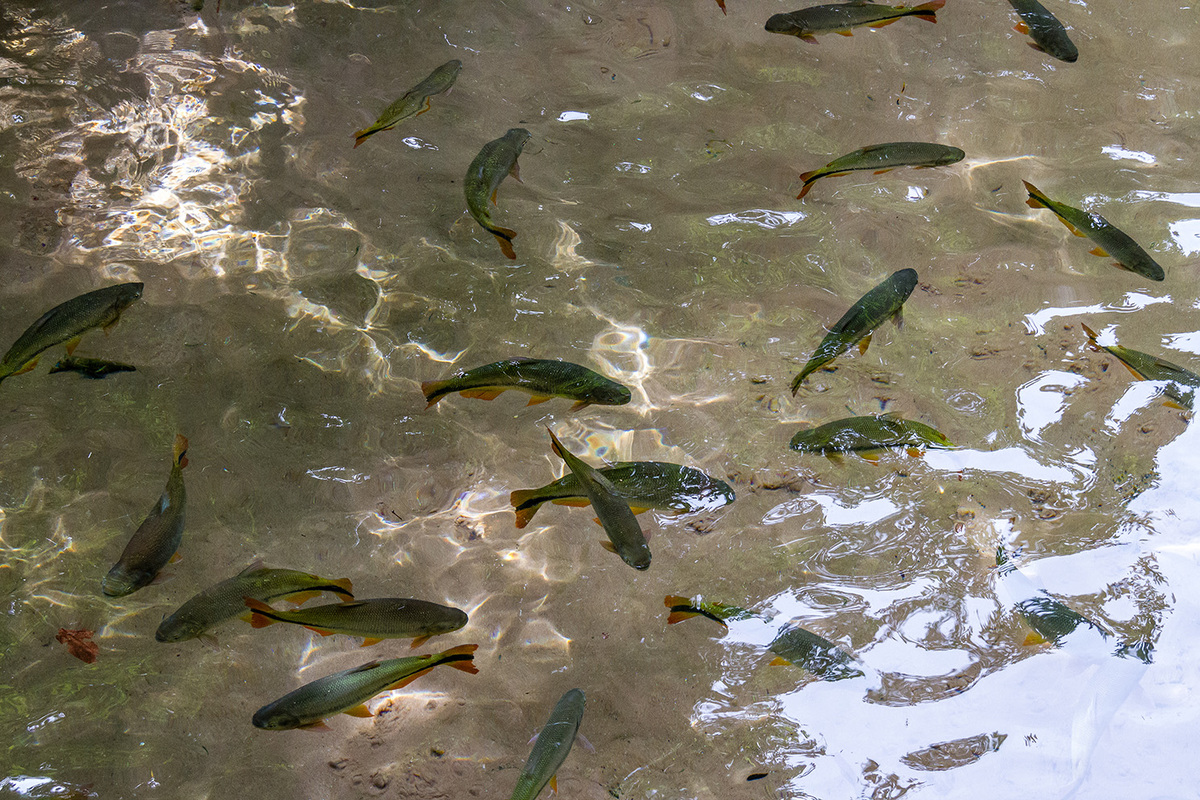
(884, 301)
(226, 600)
(1051, 620)
(374, 620)
(66, 323)
(346, 692)
(1110, 241)
(496, 161)
(881, 158)
(643, 484)
(414, 102)
(802, 648)
(157, 538)
(542, 378)
(1048, 34)
(1146, 367)
(94, 368)
(841, 17)
(863, 435)
(614, 514)
(551, 748)
(684, 608)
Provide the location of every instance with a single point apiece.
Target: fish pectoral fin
(808, 37)
(863, 344)
(482, 394)
(72, 344)
(847, 32)
(359, 710)
(1174, 405)
(554, 784)
(639, 509)
(869, 455)
(580, 404)
(884, 171)
(609, 546)
(175, 558)
(1034, 638)
(597, 520)
(914, 451)
(1021, 27)
(778, 661)
(516, 172)
(319, 725)
(322, 631)
(420, 640)
(1099, 251)
(1036, 46)
(538, 398)
(368, 641)
(834, 457)
(574, 502)
(1119, 265)
(28, 367)
(898, 318)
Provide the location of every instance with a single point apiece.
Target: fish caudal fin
(504, 238)
(1036, 198)
(929, 9)
(180, 449)
(344, 584)
(260, 613)
(464, 655)
(809, 180)
(433, 391)
(361, 136)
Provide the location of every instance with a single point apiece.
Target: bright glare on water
(298, 290)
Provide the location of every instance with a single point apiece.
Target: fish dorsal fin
(254, 566)
(368, 666)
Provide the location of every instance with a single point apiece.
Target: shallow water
(297, 292)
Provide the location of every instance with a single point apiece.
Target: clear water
(297, 291)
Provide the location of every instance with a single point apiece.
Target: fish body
(805, 649)
(884, 301)
(1110, 240)
(542, 378)
(346, 691)
(841, 17)
(374, 620)
(414, 102)
(643, 484)
(1145, 367)
(552, 746)
(496, 161)
(66, 322)
(865, 434)
(157, 538)
(94, 368)
(225, 600)
(683, 608)
(1048, 34)
(1051, 620)
(880, 158)
(613, 512)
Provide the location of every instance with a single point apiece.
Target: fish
(94, 368)
(643, 484)
(1146, 367)
(1110, 240)
(67, 322)
(496, 161)
(803, 648)
(1051, 620)
(683, 608)
(414, 102)
(225, 600)
(881, 158)
(841, 17)
(374, 620)
(157, 538)
(855, 327)
(552, 746)
(542, 378)
(863, 435)
(347, 692)
(614, 513)
(1048, 34)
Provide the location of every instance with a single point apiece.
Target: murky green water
(297, 292)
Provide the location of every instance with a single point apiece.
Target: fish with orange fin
(374, 620)
(1181, 384)
(157, 539)
(225, 600)
(1110, 240)
(867, 436)
(495, 162)
(803, 648)
(67, 322)
(881, 158)
(552, 746)
(1048, 34)
(542, 378)
(683, 608)
(415, 101)
(839, 18)
(347, 692)
(721, 3)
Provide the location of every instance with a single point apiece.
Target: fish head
(610, 393)
(952, 156)
(128, 294)
(178, 630)
(269, 719)
(782, 23)
(120, 581)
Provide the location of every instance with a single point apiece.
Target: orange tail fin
(504, 238)
(429, 388)
(180, 448)
(931, 8)
(259, 613)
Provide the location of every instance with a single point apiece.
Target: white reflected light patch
(1189, 199)
(572, 116)
(762, 217)
(835, 514)
(1117, 152)
(1186, 233)
(1139, 395)
(1040, 402)
(1133, 301)
(628, 344)
(1013, 460)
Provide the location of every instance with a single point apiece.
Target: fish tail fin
(929, 9)
(681, 608)
(180, 448)
(347, 588)
(1091, 334)
(1036, 198)
(433, 391)
(360, 137)
(555, 444)
(524, 513)
(261, 614)
(809, 180)
(460, 657)
(504, 238)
